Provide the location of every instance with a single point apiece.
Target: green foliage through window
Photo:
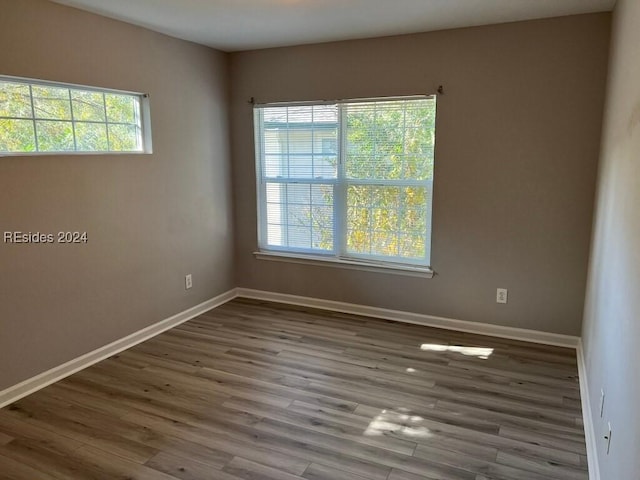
(42, 117)
(352, 180)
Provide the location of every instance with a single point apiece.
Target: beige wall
(150, 218)
(517, 146)
(517, 141)
(611, 331)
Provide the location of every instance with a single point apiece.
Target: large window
(44, 117)
(351, 180)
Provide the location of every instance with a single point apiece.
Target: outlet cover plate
(501, 295)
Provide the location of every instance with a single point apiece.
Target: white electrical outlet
(188, 282)
(601, 403)
(501, 295)
(607, 437)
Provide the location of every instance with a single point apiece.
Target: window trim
(350, 263)
(145, 118)
(333, 258)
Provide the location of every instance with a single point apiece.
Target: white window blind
(350, 179)
(45, 117)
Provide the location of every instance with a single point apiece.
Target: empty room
(320, 239)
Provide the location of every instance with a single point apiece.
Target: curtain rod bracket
(441, 90)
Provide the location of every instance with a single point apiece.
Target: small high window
(44, 117)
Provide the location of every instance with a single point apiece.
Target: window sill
(408, 270)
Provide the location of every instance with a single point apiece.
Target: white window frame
(336, 257)
(144, 119)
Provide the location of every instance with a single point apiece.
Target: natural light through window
(480, 352)
(351, 180)
(44, 117)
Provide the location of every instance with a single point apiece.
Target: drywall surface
(150, 219)
(611, 331)
(518, 134)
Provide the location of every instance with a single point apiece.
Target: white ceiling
(233, 25)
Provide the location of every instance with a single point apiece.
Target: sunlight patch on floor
(480, 352)
(399, 422)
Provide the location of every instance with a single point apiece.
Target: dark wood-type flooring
(254, 390)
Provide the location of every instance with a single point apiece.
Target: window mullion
(340, 189)
(33, 114)
(106, 120)
(73, 122)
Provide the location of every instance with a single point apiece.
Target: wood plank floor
(261, 391)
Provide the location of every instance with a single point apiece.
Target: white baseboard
(33, 384)
(416, 318)
(587, 417)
